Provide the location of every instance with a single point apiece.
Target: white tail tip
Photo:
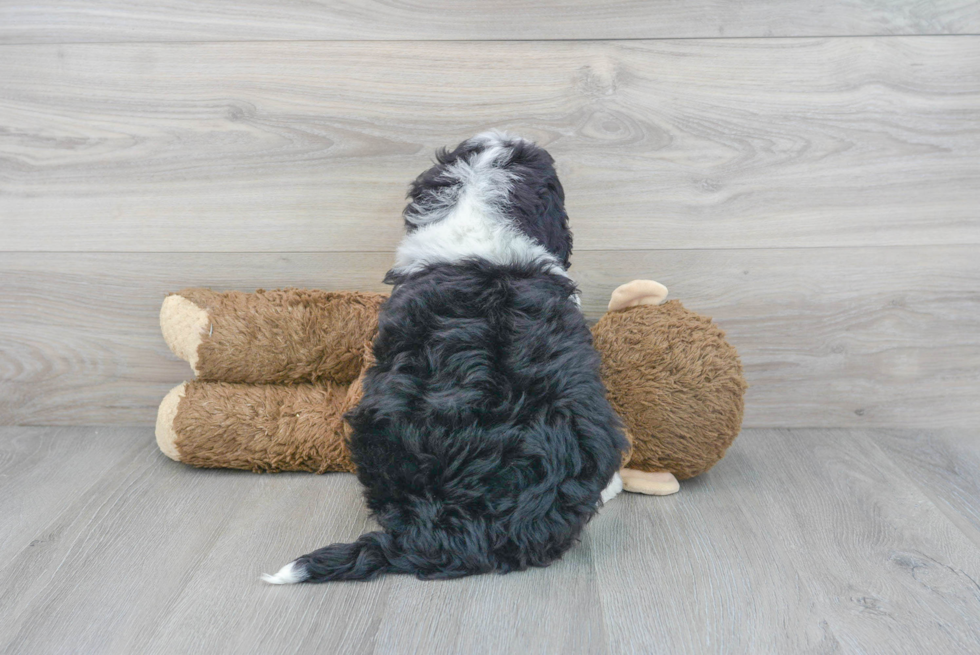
(289, 574)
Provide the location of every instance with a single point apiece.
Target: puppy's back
(484, 438)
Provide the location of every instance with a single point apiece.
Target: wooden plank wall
(63, 21)
(814, 186)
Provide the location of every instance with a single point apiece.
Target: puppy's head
(496, 178)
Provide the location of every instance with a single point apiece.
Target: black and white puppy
(484, 439)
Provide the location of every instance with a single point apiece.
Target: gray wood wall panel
(212, 20)
(661, 144)
(886, 337)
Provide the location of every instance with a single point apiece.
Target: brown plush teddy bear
(277, 370)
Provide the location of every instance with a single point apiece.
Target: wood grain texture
(81, 335)
(68, 466)
(879, 337)
(140, 546)
(660, 144)
(946, 467)
(58, 21)
(558, 612)
(799, 541)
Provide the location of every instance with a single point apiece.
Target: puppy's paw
(612, 489)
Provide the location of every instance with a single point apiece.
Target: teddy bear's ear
(637, 292)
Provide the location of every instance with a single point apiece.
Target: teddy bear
(277, 370)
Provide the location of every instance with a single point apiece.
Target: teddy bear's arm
(281, 336)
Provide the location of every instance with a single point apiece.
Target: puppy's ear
(393, 277)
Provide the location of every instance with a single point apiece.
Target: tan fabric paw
(661, 483)
(184, 325)
(637, 292)
(166, 435)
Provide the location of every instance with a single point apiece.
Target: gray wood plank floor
(799, 541)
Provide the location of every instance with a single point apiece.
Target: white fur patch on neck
(470, 231)
(468, 221)
(479, 177)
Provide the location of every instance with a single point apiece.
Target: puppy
(484, 439)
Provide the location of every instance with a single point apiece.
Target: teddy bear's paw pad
(637, 292)
(660, 483)
(184, 325)
(166, 436)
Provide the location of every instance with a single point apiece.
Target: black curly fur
(484, 437)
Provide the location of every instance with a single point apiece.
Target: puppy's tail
(366, 558)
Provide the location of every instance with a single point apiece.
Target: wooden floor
(798, 541)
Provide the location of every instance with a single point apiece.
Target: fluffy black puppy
(484, 439)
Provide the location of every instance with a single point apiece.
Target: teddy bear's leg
(256, 427)
(271, 337)
(658, 483)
